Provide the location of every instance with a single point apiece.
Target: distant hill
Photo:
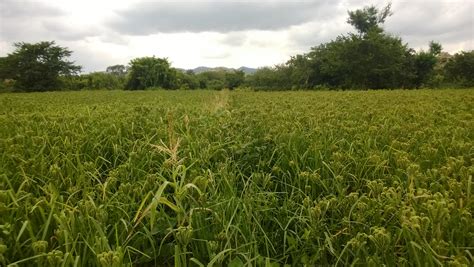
(201, 69)
(247, 70)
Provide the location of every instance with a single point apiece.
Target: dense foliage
(94, 81)
(220, 79)
(149, 72)
(114, 79)
(37, 67)
(368, 59)
(373, 61)
(230, 178)
(460, 69)
(369, 19)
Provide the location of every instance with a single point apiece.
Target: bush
(94, 81)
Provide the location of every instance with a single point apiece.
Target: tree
(218, 79)
(118, 70)
(186, 80)
(424, 64)
(460, 69)
(302, 70)
(435, 48)
(37, 67)
(371, 59)
(148, 72)
(214, 79)
(369, 18)
(6, 71)
(271, 78)
(234, 79)
(375, 61)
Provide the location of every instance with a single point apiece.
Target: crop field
(237, 178)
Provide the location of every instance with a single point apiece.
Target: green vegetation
(229, 178)
(37, 67)
(149, 72)
(460, 69)
(371, 58)
(94, 81)
(368, 59)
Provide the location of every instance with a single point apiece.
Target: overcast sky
(218, 33)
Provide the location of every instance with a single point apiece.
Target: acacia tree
(38, 66)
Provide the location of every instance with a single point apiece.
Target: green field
(163, 178)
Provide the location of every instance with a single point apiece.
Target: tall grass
(205, 178)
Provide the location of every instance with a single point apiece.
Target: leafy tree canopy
(369, 18)
(38, 66)
(148, 72)
(424, 63)
(371, 59)
(220, 79)
(460, 68)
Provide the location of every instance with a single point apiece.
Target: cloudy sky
(218, 33)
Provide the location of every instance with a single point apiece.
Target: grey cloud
(166, 17)
(66, 32)
(435, 19)
(317, 33)
(40, 29)
(21, 20)
(26, 9)
(33, 21)
(90, 59)
(114, 38)
(448, 22)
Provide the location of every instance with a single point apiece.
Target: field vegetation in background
(369, 58)
(231, 178)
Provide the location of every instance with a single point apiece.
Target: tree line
(370, 58)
